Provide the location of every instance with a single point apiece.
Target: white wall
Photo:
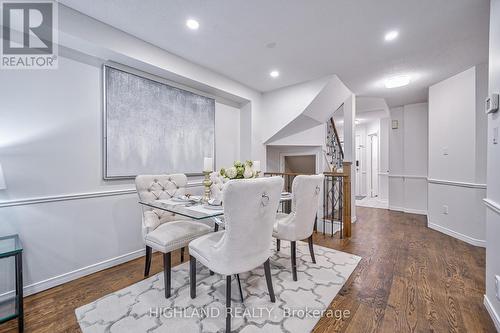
(408, 159)
(70, 221)
(457, 158)
(493, 194)
(227, 135)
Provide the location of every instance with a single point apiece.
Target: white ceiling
(437, 38)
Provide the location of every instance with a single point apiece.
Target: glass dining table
(200, 211)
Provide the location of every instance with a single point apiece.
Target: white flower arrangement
(239, 170)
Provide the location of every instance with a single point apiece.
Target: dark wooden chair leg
(316, 223)
(167, 265)
(228, 304)
(192, 276)
(211, 272)
(269, 281)
(278, 244)
(239, 286)
(311, 249)
(182, 254)
(147, 266)
(294, 261)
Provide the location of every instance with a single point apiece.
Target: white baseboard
(78, 273)
(454, 234)
(396, 208)
(494, 316)
(415, 211)
(408, 210)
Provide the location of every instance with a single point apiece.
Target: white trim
(408, 210)
(493, 205)
(455, 183)
(407, 176)
(78, 273)
(75, 196)
(454, 234)
(65, 197)
(491, 311)
(415, 211)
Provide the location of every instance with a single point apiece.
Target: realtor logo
(29, 38)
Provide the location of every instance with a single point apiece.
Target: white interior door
(374, 166)
(358, 165)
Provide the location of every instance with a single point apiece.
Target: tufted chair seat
(299, 224)
(175, 235)
(163, 231)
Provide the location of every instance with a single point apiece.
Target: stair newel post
(346, 198)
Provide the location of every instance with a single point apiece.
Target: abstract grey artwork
(153, 128)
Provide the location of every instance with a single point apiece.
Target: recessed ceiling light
(397, 81)
(274, 74)
(391, 35)
(192, 24)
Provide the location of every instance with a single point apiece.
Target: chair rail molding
(456, 183)
(407, 176)
(76, 196)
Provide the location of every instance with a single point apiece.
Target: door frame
(373, 174)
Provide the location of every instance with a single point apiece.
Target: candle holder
(207, 183)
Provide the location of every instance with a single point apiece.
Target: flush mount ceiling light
(274, 74)
(391, 35)
(397, 81)
(192, 24)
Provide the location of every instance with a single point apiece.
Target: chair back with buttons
(156, 187)
(305, 202)
(217, 186)
(250, 207)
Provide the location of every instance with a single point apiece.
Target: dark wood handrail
(337, 137)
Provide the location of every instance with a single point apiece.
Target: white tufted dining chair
(161, 230)
(249, 209)
(299, 224)
(217, 186)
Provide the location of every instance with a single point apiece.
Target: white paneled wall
(408, 159)
(457, 156)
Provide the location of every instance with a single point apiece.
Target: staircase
(334, 151)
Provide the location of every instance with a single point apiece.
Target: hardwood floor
(411, 279)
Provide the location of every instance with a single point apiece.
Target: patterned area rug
(142, 307)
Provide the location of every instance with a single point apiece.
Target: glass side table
(12, 307)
